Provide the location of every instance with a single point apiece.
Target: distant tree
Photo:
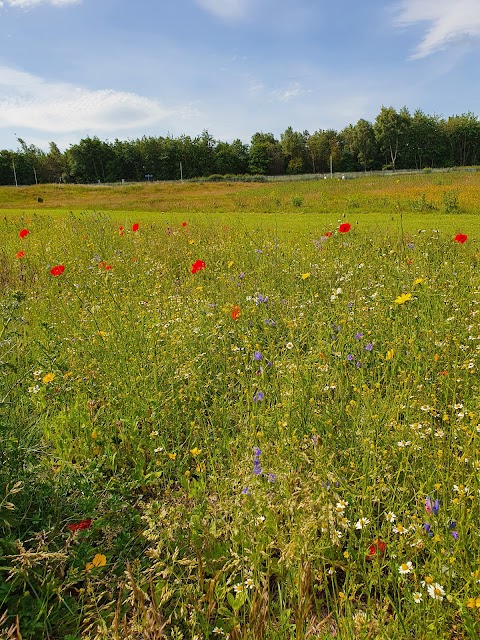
(294, 150)
(265, 155)
(89, 160)
(363, 143)
(463, 138)
(390, 129)
(231, 158)
(322, 146)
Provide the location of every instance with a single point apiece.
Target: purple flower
(359, 335)
(257, 452)
(428, 529)
(258, 397)
(432, 507)
(269, 323)
(261, 299)
(245, 491)
(454, 533)
(410, 245)
(257, 355)
(257, 468)
(350, 357)
(358, 365)
(271, 477)
(241, 275)
(368, 346)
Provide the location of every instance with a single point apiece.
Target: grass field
(241, 410)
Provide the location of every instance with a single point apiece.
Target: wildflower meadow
(239, 426)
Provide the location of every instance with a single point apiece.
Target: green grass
(255, 442)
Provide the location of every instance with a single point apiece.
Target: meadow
(244, 411)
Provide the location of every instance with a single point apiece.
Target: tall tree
(390, 128)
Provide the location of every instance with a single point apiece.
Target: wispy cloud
(450, 21)
(292, 91)
(28, 4)
(31, 102)
(226, 9)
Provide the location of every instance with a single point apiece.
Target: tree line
(395, 140)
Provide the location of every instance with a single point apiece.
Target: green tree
(390, 129)
(265, 155)
(294, 150)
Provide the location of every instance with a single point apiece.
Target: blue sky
(124, 69)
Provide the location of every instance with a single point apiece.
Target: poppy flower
(236, 312)
(23, 233)
(460, 237)
(378, 547)
(328, 234)
(79, 526)
(120, 231)
(57, 270)
(135, 226)
(20, 254)
(345, 227)
(198, 265)
(184, 224)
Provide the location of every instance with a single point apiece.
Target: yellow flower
(172, 456)
(191, 242)
(390, 354)
(306, 275)
(473, 603)
(48, 378)
(417, 281)
(196, 451)
(98, 561)
(403, 298)
(230, 264)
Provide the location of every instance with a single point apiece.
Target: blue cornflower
(257, 355)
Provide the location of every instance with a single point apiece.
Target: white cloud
(28, 4)
(226, 9)
(450, 21)
(292, 91)
(27, 101)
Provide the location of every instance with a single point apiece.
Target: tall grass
(283, 444)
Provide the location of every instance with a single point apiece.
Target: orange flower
(236, 313)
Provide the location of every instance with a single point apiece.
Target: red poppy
(78, 526)
(120, 231)
(135, 226)
(328, 234)
(378, 547)
(20, 254)
(184, 224)
(108, 267)
(345, 227)
(461, 237)
(23, 233)
(198, 265)
(236, 312)
(57, 270)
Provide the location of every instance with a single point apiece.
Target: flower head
(57, 270)
(461, 238)
(436, 591)
(378, 547)
(24, 233)
(198, 265)
(98, 561)
(79, 526)
(258, 397)
(20, 254)
(432, 507)
(135, 227)
(404, 297)
(404, 568)
(345, 227)
(236, 313)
